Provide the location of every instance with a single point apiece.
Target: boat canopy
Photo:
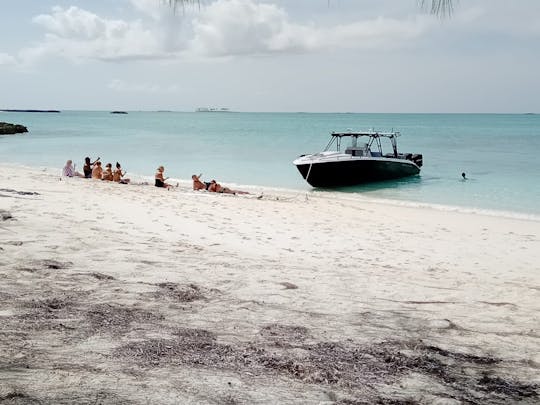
(374, 137)
(370, 134)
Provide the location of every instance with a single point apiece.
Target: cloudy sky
(271, 55)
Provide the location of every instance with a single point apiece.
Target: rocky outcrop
(9, 129)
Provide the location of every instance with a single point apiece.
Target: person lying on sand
(88, 166)
(118, 174)
(160, 180)
(97, 171)
(107, 174)
(215, 187)
(69, 170)
(198, 184)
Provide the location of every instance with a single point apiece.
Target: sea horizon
(60, 110)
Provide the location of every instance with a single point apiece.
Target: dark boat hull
(355, 171)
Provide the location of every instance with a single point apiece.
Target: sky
(271, 55)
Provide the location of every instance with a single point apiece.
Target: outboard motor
(417, 159)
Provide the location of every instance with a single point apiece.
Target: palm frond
(175, 3)
(440, 8)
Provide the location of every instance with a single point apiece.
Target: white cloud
(239, 27)
(223, 28)
(79, 34)
(77, 23)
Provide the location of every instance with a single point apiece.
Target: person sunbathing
(215, 187)
(198, 184)
(97, 171)
(118, 175)
(160, 180)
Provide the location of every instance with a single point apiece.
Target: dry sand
(132, 294)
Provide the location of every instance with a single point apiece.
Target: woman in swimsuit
(160, 180)
(88, 166)
(215, 187)
(107, 174)
(118, 174)
(198, 184)
(97, 171)
(69, 170)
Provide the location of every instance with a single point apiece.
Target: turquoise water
(500, 153)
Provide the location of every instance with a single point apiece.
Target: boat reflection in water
(362, 161)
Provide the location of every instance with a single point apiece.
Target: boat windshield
(363, 143)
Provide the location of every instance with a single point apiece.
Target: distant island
(212, 109)
(118, 112)
(10, 129)
(33, 111)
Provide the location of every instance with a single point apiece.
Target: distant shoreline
(33, 111)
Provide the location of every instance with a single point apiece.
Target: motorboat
(362, 161)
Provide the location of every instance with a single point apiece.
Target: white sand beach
(132, 294)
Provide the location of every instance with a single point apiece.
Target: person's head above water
(463, 175)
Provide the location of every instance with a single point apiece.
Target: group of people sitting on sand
(93, 170)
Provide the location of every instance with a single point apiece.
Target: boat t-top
(362, 161)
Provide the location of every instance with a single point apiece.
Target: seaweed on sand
(180, 293)
(507, 388)
(284, 335)
(116, 318)
(45, 264)
(357, 369)
(58, 306)
(17, 397)
(191, 347)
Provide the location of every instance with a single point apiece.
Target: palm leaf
(441, 8)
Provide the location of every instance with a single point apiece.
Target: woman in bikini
(107, 174)
(88, 166)
(160, 180)
(215, 187)
(97, 171)
(198, 184)
(118, 174)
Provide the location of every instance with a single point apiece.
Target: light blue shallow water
(500, 153)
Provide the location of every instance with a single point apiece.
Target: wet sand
(131, 294)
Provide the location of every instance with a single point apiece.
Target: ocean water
(499, 153)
